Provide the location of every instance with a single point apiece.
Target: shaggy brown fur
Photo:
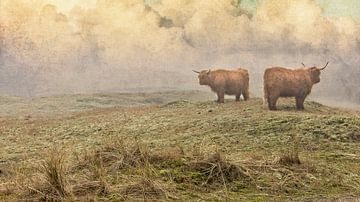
(229, 82)
(283, 82)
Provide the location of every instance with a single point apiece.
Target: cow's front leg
(272, 102)
(300, 103)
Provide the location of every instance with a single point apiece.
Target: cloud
(131, 45)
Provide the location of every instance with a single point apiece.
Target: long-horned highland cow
(229, 82)
(283, 82)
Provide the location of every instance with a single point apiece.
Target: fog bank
(130, 45)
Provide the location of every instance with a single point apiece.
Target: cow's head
(204, 77)
(315, 73)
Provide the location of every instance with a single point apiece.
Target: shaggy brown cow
(229, 82)
(283, 82)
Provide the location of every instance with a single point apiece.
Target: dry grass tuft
(145, 189)
(118, 155)
(89, 187)
(291, 158)
(53, 169)
(216, 169)
(291, 155)
(48, 184)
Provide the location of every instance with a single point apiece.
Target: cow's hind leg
(237, 97)
(246, 95)
(220, 95)
(300, 103)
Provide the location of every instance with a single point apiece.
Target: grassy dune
(180, 149)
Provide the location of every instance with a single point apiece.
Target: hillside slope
(184, 150)
(65, 104)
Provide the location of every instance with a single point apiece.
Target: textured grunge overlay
(52, 47)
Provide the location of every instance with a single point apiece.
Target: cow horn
(303, 64)
(209, 71)
(325, 66)
(196, 71)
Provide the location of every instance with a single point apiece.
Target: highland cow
(283, 82)
(229, 82)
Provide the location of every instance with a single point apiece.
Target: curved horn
(196, 71)
(303, 64)
(209, 71)
(325, 66)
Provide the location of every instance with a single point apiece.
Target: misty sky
(331, 7)
(52, 47)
